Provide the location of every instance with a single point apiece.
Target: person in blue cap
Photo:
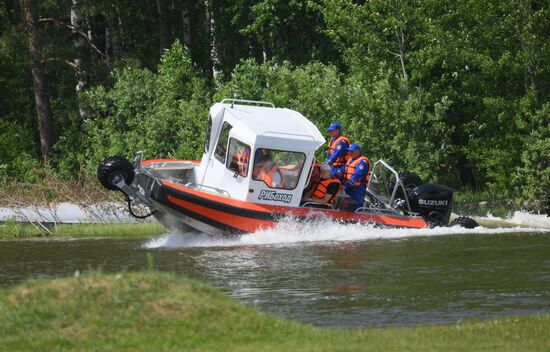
(355, 175)
(337, 148)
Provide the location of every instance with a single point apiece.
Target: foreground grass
(12, 230)
(154, 311)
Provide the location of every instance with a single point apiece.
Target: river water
(329, 274)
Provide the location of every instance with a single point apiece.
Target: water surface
(329, 274)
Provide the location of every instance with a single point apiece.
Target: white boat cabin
(258, 153)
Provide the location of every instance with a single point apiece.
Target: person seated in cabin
(241, 160)
(337, 153)
(326, 189)
(355, 175)
(262, 155)
(266, 170)
(314, 179)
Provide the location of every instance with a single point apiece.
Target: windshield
(221, 148)
(278, 168)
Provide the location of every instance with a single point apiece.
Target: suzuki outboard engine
(432, 202)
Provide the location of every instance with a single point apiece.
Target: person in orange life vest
(265, 169)
(337, 148)
(354, 175)
(242, 160)
(326, 190)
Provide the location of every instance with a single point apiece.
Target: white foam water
(519, 219)
(292, 232)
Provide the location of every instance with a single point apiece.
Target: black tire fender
(112, 166)
(410, 180)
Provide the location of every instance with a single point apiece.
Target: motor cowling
(432, 202)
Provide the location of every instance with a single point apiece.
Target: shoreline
(13, 230)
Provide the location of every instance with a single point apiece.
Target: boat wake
(517, 219)
(293, 232)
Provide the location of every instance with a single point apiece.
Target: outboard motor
(432, 202)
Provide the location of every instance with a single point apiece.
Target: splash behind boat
(227, 193)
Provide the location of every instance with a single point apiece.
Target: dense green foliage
(457, 92)
(164, 312)
(159, 113)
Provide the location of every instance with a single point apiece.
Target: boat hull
(180, 207)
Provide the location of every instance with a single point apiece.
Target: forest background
(456, 91)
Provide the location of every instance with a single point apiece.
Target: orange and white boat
(257, 162)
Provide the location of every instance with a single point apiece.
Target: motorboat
(227, 193)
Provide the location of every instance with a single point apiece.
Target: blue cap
(353, 147)
(334, 126)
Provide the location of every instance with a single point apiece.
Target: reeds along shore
(12, 230)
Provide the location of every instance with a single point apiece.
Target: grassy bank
(79, 189)
(87, 190)
(11, 230)
(154, 311)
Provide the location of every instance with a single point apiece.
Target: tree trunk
(401, 40)
(77, 21)
(41, 97)
(192, 30)
(108, 44)
(266, 53)
(466, 172)
(112, 44)
(186, 26)
(164, 35)
(213, 62)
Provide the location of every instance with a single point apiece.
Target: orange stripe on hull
(239, 222)
(388, 220)
(370, 218)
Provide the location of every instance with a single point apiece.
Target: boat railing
(292, 135)
(137, 161)
(398, 184)
(379, 211)
(315, 205)
(244, 102)
(208, 189)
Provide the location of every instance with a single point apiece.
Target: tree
(81, 54)
(41, 96)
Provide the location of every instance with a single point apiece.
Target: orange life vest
(332, 148)
(321, 189)
(243, 159)
(350, 169)
(267, 176)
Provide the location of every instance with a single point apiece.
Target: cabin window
(221, 147)
(278, 168)
(239, 157)
(207, 134)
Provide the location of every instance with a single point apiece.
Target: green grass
(10, 230)
(153, 311)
